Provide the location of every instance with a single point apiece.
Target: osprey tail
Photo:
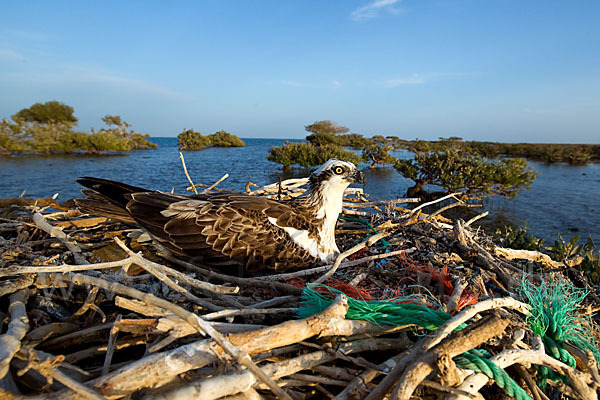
(106, 198)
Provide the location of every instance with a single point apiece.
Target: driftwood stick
(369, 242)
(462, 341)
(149, 267)
(158, 369)
(87, 304)
(453, 195)
(214, 185)
(581, 383)
(442, 388)
(247, 311)
(190, 318)
(55, 232)
(21, 270)
(219, 386)
(313, 271)
(452, 304)
(10, 342)
(358, 386)
(251, 282)
(14, 285)
(47, 365)
(185, 171)
(544, 259)
(435, 337)
(476, 218)
(173, 272)
(110, 347)
(226, 385)
(535, 391)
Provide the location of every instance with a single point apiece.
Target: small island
(49, 128)
(192, 140)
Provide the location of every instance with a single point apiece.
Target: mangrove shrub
(476, 176)
(308, 155)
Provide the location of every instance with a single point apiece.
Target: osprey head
(336, 173)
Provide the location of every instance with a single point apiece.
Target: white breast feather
(323, 251)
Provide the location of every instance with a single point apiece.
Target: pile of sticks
(92, 308)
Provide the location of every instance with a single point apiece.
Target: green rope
(369, 228)
(556, 318)
(399, 311)
(474, 361)
(557, 351)
(405, 311)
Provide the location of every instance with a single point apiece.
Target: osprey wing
(246, 229)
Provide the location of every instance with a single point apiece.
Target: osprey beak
(358, 177)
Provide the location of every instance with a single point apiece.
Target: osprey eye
(338, 170)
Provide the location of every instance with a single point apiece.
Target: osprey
(255, 232)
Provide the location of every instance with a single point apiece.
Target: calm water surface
(562, 199)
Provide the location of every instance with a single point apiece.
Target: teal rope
(474, 361)
(556, 350)
(408, 311)
(369, 228)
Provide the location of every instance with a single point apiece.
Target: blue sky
(501, 70)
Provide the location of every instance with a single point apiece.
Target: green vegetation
(518, 238)
(225, 139)
(457, 171)
(192, 140)
(574, 154)
(327, 141)
(307, 154)
(48, 128)
(587, 254)
(377, 154)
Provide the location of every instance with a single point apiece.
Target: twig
(452, 304)
(186, 172)
(21, 270)
(453, 195)
(369, 242)
(55, 232)
(110, 347)
(10, 342)
(440, 334)
(511, 254)
(247, 311)
(477, 217)
(191, 358)
(358, 386)
(159, 272)
(380, 203)
(462, 341)
(208, 189)
(313, 271)
(47, 365)
(580, 382)
(251, 282)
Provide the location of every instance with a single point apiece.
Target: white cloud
(25, 35)
(336, 83)
(293, 83)
(92, 79)
(373, 9)
(10, 55)
(414, 79)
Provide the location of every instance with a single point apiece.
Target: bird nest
(417, 305)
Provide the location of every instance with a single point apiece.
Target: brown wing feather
(223, 227)
(216, 227)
